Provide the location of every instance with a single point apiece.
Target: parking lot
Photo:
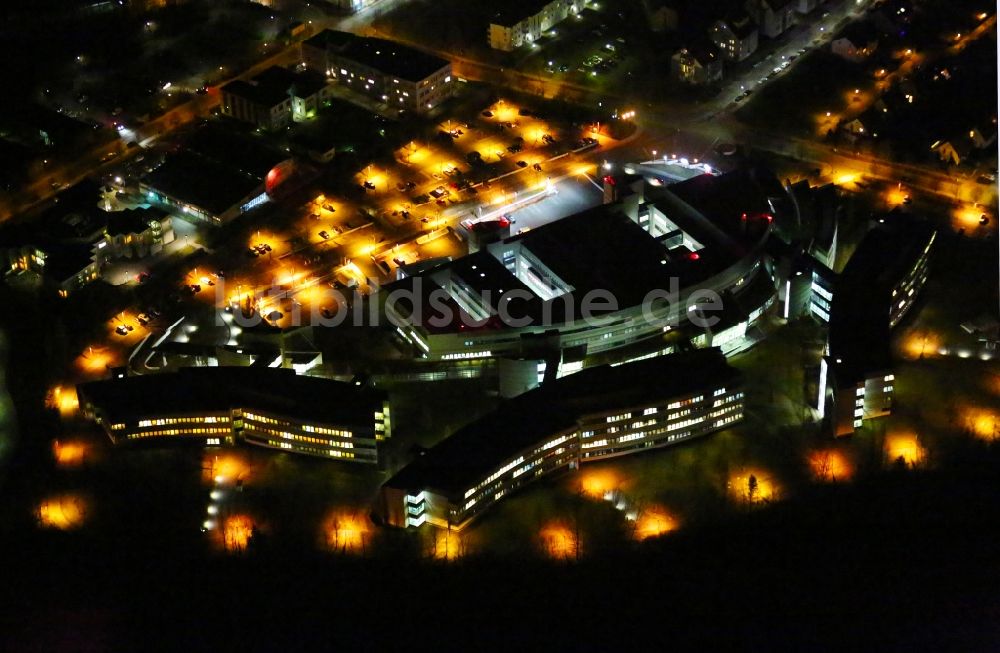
(346, 232)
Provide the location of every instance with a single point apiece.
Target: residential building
(136, 233)
(856, 42)
(773, 17)
(522, 22)
(59, 246)
(697, 65)
(953, 152)
(267, 407)
(736, 36)
(392, 74)
(275, 98)
(595, 414)
(964, 145)
(67, 267)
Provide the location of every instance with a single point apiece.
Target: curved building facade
(657, 259)
(598, 413)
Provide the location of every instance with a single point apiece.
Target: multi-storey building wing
(598, 413)
(393, 74)
(273, 408)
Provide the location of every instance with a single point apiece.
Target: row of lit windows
(485, 485)
(726, 400)
(720, 412)
(729, 420)
(181, 420)
(304, 438)
(308, 428)
(685, 402)
(604, 442)
(686, 422)
(463, 355)
(500, 472)
(173, 432)
(322, 452)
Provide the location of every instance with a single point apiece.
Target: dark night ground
(906, 562)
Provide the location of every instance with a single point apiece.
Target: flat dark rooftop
(886, 253)
(513, 11)
(268, 96)
(724, 199)
(218, 389)
(484, 273)
(473, 451)
(411, 298)
(385, 56)
(133, 221)
(63, 261)
(234, 147)
(859, 313)
(201, 181)
(272, 87)
(602, 249)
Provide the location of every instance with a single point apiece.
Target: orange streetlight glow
(559, 542)
(95, 360)
(597, 483)
(448, 545)
(64, 400)
(346, 532)
(237, 532)
(968, 216)
(846, 178)
(69, 454)
(753, 486)
(227, 468)
(905, 448)
(920, 344)
(896, 196)
(830, 466)
(654, 521)
(65, 512)
(983, 423)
